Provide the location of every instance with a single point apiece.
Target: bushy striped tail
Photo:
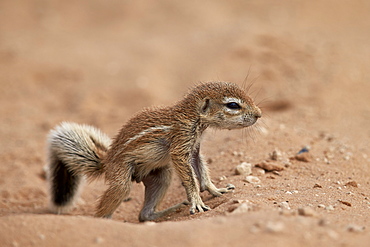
(74, 151)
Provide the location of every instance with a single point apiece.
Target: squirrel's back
(74, 151)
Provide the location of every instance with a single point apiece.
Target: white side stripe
(146, 131)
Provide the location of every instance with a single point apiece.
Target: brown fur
(158, 139)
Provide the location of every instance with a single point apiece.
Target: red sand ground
(99, 62)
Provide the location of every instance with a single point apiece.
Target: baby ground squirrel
(147, 149)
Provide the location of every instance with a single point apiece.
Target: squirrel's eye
(233, 106)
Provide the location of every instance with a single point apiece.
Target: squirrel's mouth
(251, 119)
(242, 125)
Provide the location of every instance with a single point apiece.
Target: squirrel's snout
(258, 113)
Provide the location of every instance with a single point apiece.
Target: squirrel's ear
(205, 106)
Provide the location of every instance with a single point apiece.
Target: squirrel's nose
(258, 113)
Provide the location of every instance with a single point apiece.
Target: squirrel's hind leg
(156, 185)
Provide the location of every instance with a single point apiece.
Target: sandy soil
(99, 62)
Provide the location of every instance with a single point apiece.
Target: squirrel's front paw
(220, 191)
(230, 187)
(200, 207)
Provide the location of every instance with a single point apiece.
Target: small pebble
(323, 222)
(329, 208)
(45, 171)
(275, 227)
(287, 212)
(284, 205)
(287, 163)
(243, 208)
(149, 223)
(99, 240)
(304, 157)
(276, 173)
(270, 166)
(352, 183)
(333, 234)
(345, 203)
(275, 155)
(321, 206)
(258, 171)
(243, 169)
(292, 192)
(252, 180)
(355, 228)
(254, 229)
(317, 186)
(307, 211)
(304, 150)
(240, 201)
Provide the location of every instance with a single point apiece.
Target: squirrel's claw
(200, 207)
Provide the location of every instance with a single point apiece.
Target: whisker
(258, 92)
(256, 133)
(262, 127)
(246, 80)
(263, 119)
(264, 101)
(251, 133)
(254, 80)
(243, 134)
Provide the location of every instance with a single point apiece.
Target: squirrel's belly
(149, 157)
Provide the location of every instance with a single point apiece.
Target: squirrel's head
(225, 105)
